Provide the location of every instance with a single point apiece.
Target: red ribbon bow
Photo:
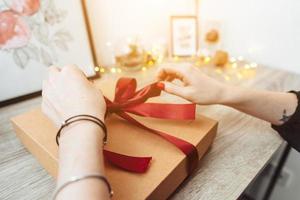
(128, 100)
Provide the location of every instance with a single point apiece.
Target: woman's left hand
(67, 92)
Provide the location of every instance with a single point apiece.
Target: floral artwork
(31, 30)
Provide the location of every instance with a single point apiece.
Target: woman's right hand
(197, 87)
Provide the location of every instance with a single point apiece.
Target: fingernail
(160, 85)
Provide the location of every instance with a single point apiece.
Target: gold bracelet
(80, 178)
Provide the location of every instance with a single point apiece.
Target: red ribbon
(128, 100)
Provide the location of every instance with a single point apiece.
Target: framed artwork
(184, 36)
(35, 34)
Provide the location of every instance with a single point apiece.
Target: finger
(73, 70)
(169, 78)
(174, 89)
(53, 73)
(175, 72)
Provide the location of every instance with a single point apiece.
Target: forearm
(274, 107)
(80, 153)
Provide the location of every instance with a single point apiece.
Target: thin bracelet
(77, 118)
(80, 178)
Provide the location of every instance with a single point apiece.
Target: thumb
(172, 88)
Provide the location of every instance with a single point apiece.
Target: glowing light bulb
(207, 59)
(102, 70)
(113, 70)
(97, 69)
(150, 63)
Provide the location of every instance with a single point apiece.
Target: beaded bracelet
(77, 118)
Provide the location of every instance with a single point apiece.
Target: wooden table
(242, 147)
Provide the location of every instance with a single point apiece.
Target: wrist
(82, 132)
(230, 95)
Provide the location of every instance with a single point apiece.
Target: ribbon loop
(127, 99)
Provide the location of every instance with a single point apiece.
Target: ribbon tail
(187, 148)
(129, 163)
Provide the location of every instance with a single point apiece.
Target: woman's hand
(67, 92)
(197, 87)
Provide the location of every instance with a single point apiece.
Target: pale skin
(67, 92)
(273, 107)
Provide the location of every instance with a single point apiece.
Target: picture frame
(52, 32)
(184, 36)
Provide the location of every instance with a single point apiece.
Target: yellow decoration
(220, 58)
(212, 36)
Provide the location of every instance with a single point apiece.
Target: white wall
(265, 31)
(115, 20)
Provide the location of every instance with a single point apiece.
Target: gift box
(168, 167)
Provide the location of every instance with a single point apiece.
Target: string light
(113, 70)
(102, 70)
(207, 59)
(97, 69)
(236, 69)
(150, 63)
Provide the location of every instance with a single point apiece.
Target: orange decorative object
(220, 58)
(212, 36)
